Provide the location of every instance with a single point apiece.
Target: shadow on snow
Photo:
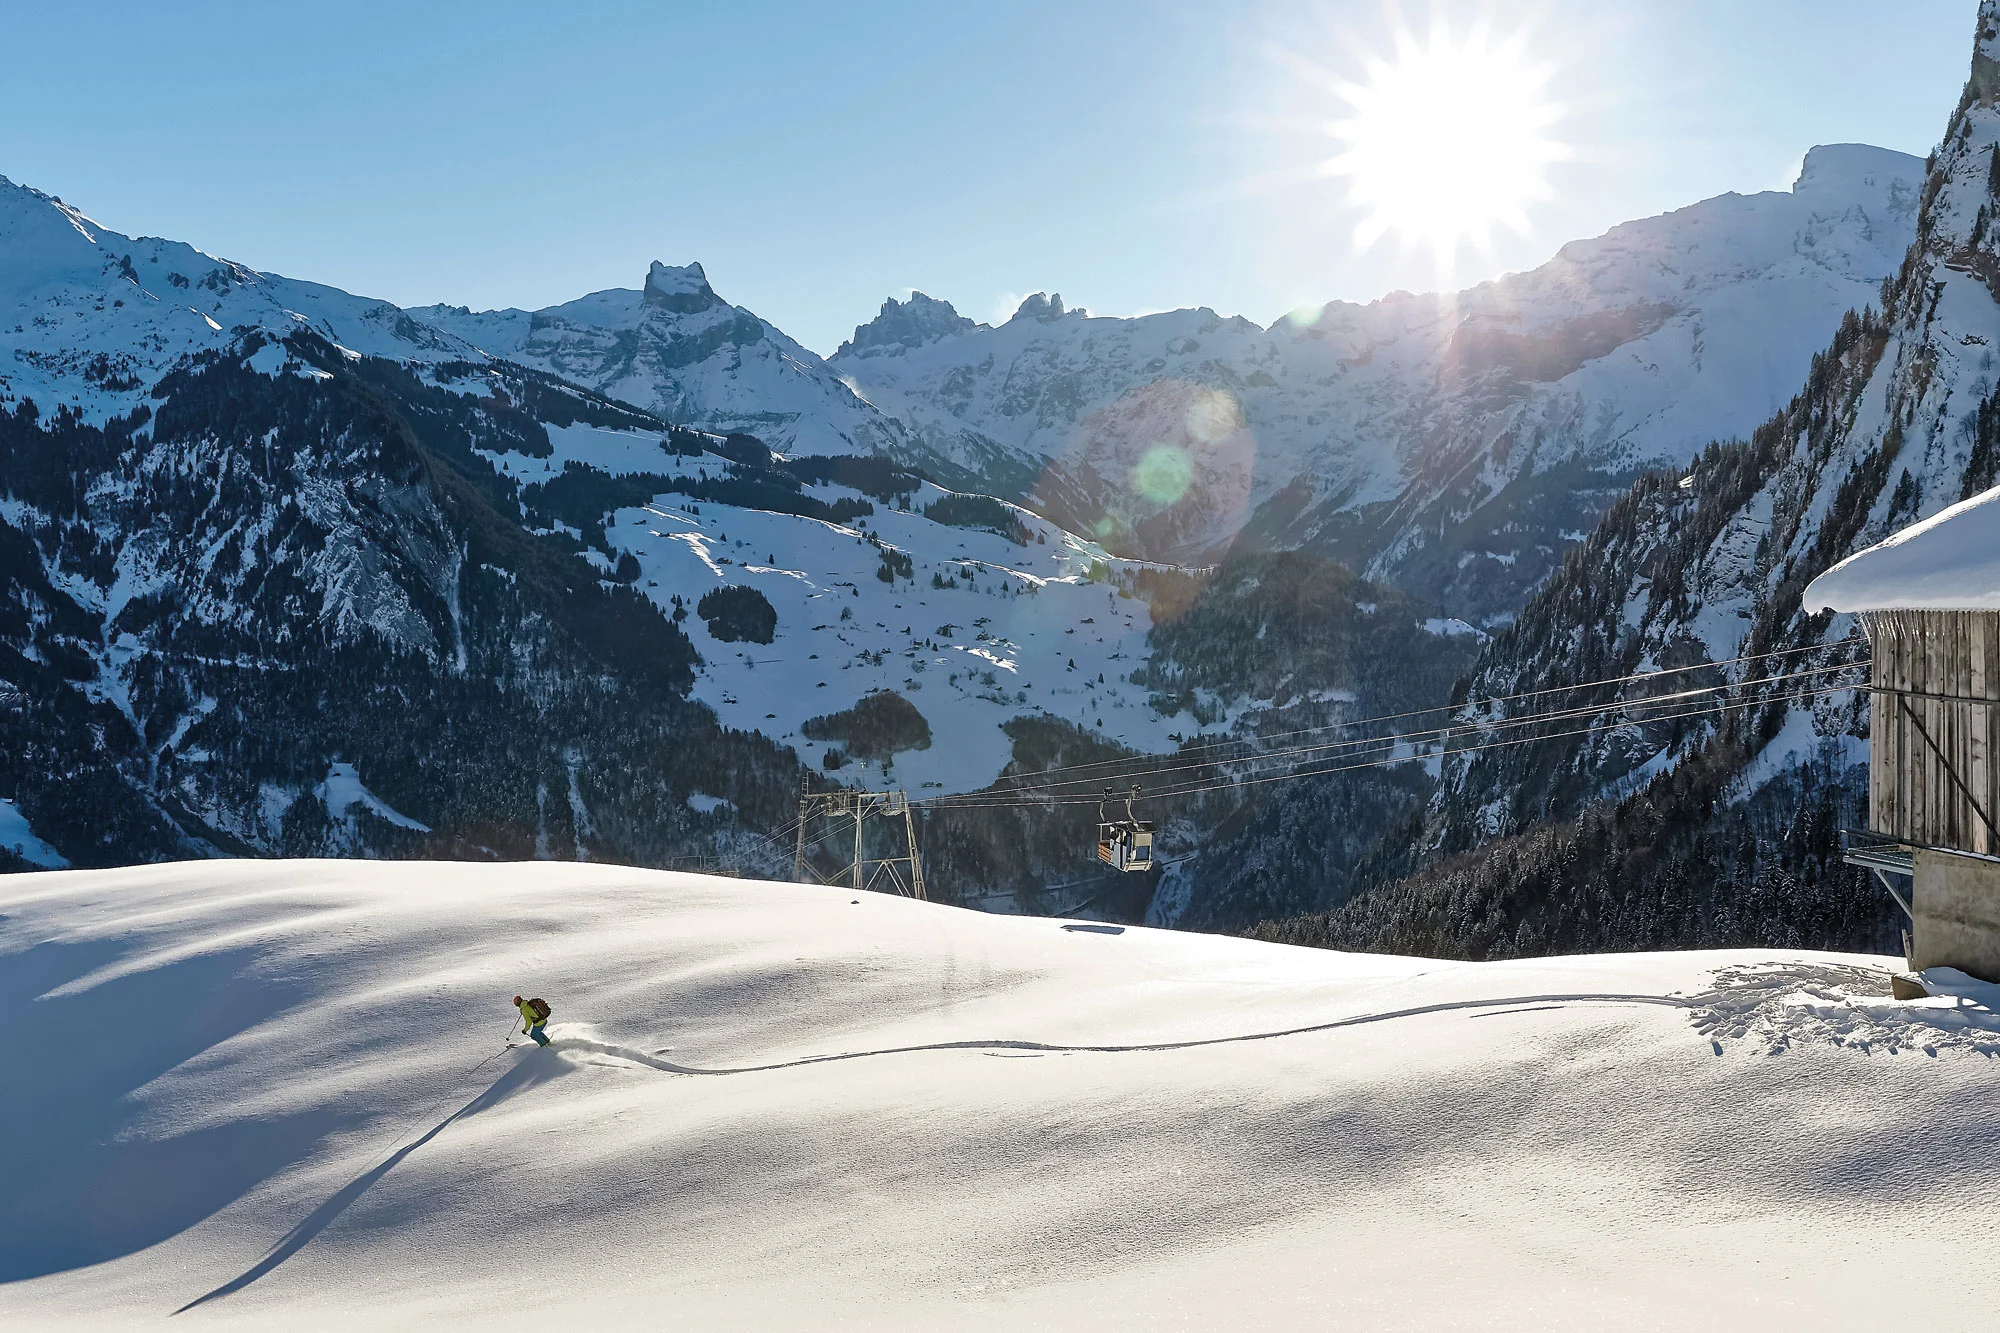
(82, 1187)
(537, 1067)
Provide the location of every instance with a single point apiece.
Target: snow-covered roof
(1948, 562)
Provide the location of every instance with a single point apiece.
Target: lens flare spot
(1212, 416)
(1163, 475)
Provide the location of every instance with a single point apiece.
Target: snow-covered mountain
(583, 629)
(678, 350)
(275, 1095)
(91, 319)
(1668, 833)
(1896, 420)
(1456, 443)
(589, 629)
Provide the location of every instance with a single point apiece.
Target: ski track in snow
(1777, 1004)
(1048, 1048)
(265, 1091)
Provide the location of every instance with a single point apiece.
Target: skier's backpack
(540, 1009)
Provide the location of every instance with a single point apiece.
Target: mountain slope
(677, 349)
(316, 1125)
(288, 605)
(1721, 831)
(90, 319)
(261, 591)
(1446, 442)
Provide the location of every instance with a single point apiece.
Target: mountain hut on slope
(1929, 600)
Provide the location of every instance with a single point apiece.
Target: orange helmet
(517, 999)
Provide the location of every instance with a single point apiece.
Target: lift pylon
(824, 817)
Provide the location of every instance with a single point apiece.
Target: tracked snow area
(272, 1093)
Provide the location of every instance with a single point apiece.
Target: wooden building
(1929, 601)
(1934, 726)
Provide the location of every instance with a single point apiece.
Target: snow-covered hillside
(1505, 415)
(250, 480)
(90, 319)
(1674, 828)
(1895, 420)
(975, 629)
(269, 1094)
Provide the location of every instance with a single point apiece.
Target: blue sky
(816, 158)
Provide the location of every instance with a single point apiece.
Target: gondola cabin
(1125, 844)
(1928, 599)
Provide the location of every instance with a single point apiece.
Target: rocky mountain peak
(1845, 170)
(913, 323)
(1041, 306)
(684, 290)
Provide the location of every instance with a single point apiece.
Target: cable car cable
(1468, 704)
(1503, 724)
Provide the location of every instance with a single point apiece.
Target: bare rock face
(912, 323)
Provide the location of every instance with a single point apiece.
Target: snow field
(1018, 616)
(1007, 652)
(17, 837)
(266, 1079)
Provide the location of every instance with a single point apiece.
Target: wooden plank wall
(1927, 654)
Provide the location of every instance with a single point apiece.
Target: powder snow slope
(265, 1092)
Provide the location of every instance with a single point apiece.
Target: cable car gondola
(1124, 844)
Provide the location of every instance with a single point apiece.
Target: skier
(534, 1013)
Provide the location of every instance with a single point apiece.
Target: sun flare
(1447, 140)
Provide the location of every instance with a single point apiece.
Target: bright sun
(1446, 141)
